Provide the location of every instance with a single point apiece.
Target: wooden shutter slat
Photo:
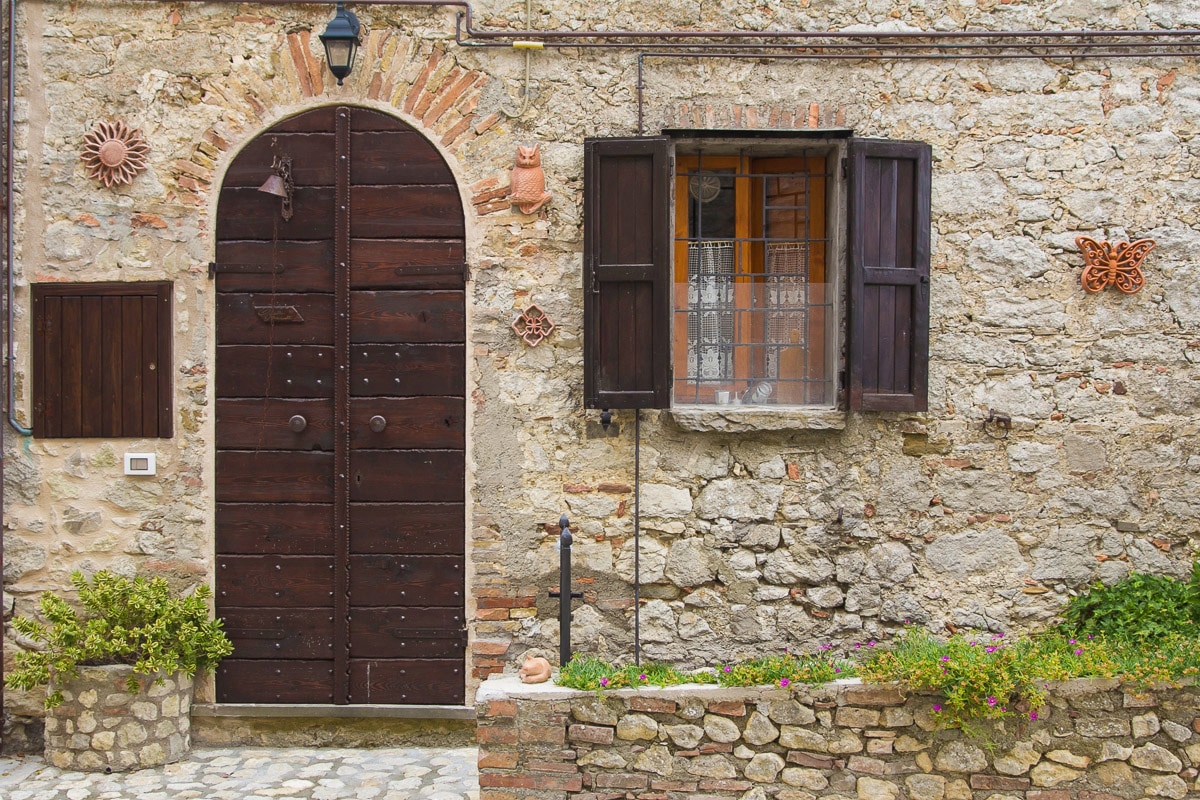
(627, 273)
(149, 365)
(72, 366)
(166, 362)
(52, 399)
(131, 365)
(111, 413)
(889, 275)
(91, 421)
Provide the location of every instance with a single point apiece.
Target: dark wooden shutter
(889, 275)
(102, 360)
(627, 273)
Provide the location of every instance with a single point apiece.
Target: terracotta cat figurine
(527, 184)
(534, 670)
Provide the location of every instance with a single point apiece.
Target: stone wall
(757, 533)
(1094, 740)
(100, 725)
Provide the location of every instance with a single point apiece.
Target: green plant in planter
(136, 622)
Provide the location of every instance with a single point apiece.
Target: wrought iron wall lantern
(280, 183)
(341, 42)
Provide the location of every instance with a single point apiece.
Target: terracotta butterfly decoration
(1117, 265)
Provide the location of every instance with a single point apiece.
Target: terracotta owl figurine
(527, 184)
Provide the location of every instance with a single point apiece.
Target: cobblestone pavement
(391, 773)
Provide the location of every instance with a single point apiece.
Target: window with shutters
(783, 272)
(102, 360)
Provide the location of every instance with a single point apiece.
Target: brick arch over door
(340, 384)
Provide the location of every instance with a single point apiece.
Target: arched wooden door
(340, 418)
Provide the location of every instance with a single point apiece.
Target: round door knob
(297, 423)
(377, 423)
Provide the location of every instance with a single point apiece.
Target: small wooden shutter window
(889, 275)
(102, 360)
(627, 273)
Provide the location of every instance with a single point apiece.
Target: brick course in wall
(1094, 740)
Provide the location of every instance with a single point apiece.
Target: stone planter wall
(100, 725)
(1094, 740)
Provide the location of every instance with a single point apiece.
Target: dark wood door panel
(407, 316)
(259, 370)
(312, 155)
(399, 212)
(411, 422)
(302, 546)
(274, 581)
(255, 423)
(243, 681)
(406, 580)
(407, 633)
(411, 682)
(286, 633)
(397, 476)
(265, 266)
(407, 264)
(407, 370)
(317, 120)
(364, 119)
(279, 528)
(266, 318)
(274, 477)
(418, 528)
(388, 157)
(247, 213)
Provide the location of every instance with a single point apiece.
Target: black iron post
(564, 591)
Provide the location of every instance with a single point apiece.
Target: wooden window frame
(83, 384)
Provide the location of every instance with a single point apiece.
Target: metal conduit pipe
(9, 95)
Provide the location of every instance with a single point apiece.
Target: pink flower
(729, 669)
(991, 700)
(1071, 642)
(1033, 715)
(642, 677)
(784, 681)
(937, 706)
(604, 681)
(972, 644)
(1079, 651)
(871, 644)
(945, 658)
(837, 669)
(991, 649)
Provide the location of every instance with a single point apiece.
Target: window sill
(758, 418)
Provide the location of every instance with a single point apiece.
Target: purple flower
(1032, 715)
(604, 681)
(729, 669)
(991, 648)
(972, 644)
(871, 644)
(937, 706)
(945, 658)
(857, 645)
(1071, 642)
(837, 669)
(1079, 651)
(784, 681)
(1090, 637)
(991, 700)
(642, 677)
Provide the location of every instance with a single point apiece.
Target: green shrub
(1140, 607)
(135, 622)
